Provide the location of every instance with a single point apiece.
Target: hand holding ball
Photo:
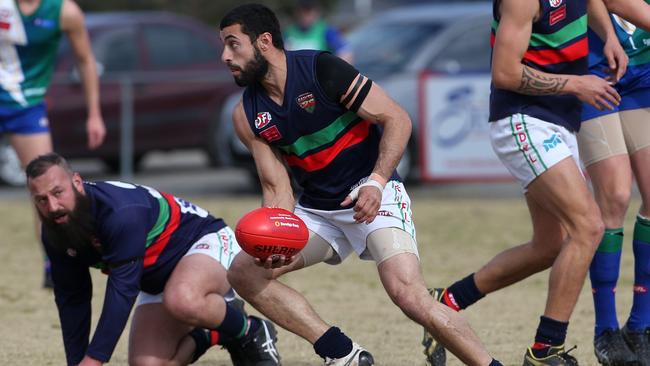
(268, 231)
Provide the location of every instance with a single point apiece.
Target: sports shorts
(528, 146)
(221, 246)
(614, 134)
(345, 236)
(24, 121)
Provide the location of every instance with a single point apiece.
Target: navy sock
(463, 293)
(495, 363)
(233, 326)
(551, 332)
(333, 344)
(603, 273)
(640, 314)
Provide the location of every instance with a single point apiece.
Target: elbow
(612, 5)
(501, 79)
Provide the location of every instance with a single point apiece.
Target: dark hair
(41, 164)
(255, 19)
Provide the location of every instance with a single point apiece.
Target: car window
(468, 51)
(117, 50)
(384, 48)
(170, 46)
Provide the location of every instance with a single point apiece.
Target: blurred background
(167, 99)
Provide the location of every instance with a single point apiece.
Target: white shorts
(221, 246)
(528, 146)
(345, 236)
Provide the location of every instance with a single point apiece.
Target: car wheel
(113, 163)
(11, 172)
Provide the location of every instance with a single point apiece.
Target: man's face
(53, 194)
(244, 59)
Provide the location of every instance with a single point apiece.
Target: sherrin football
(268, 231)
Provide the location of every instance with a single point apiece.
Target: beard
(253, 71)
(77, 233)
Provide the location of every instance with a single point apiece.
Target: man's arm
(276, 186)
(600, 22)
(72, 23)
(636, 12)
(509, 73)
(72, 295)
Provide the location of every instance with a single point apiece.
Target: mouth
(60, 218)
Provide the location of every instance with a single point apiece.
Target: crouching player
(164, 254)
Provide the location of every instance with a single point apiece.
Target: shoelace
(268, 346)
(567, 357)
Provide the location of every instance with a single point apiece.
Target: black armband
(363, 93)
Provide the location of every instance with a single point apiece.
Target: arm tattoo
(533, 83)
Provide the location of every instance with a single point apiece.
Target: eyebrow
(230, 36)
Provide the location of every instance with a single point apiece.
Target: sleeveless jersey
(328, 148)
(314, 38)
(27, 63)
(558, 45)
(142, 234)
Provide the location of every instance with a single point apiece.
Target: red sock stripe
(153, 252)
(540, 345)
(447, 300)
(214, 337)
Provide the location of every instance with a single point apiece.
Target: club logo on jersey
(307, 102)
(555, 3)
(5, 19)
(262, 119)
(557, 15)
(271, 134)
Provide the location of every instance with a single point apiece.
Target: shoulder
(72, 18)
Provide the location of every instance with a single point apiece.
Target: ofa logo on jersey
(555, 3)
(307, 102)
(262, 119)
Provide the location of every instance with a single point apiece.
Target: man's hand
(89, 361)
(616, 59)
(596, 91)
(368, 197)
(96, 132)
(275, 261)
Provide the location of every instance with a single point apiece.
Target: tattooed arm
(508, 71)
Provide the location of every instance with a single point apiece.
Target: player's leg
(401, 276)
(604, 153)
(30, 137)
(637, 122)
(158, 338)
(197, 294)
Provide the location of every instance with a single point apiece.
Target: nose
(226, 55)
(52, 204)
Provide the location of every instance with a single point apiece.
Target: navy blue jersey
(558, 45)
(328, 148)
(142, 234)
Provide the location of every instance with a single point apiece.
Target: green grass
(455, 236)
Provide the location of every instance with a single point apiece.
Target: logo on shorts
(384, 213)
(552, 142)
(555, 3)
(71, 252)
(202, 246)
(262, 119)
(640, 289)
(307, 102)
(43, 122)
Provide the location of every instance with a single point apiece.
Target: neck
(276, 77)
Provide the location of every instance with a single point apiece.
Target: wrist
(379, 179)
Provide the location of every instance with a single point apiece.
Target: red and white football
(268, 231)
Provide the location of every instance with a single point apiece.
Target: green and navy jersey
(142, 234)
(328, 148)
(558, 45)
(319, 36)
(26, 66)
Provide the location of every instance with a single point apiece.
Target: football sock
(462, 294)
(640, 314)
(203, 339)
(550, 333)
(235, 324)
(495, 363)
(603, 273)
(333, 344)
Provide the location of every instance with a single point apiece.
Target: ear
(78, 182)
(265, 41)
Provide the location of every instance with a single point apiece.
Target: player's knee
(405, 298)
(618, 200)
(183, 303)
(589, 229)
(146, 360)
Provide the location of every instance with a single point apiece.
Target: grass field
(456, 236)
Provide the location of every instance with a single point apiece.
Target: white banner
(454, 129)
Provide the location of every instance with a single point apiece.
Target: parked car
(179, 86)
(396, 47)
